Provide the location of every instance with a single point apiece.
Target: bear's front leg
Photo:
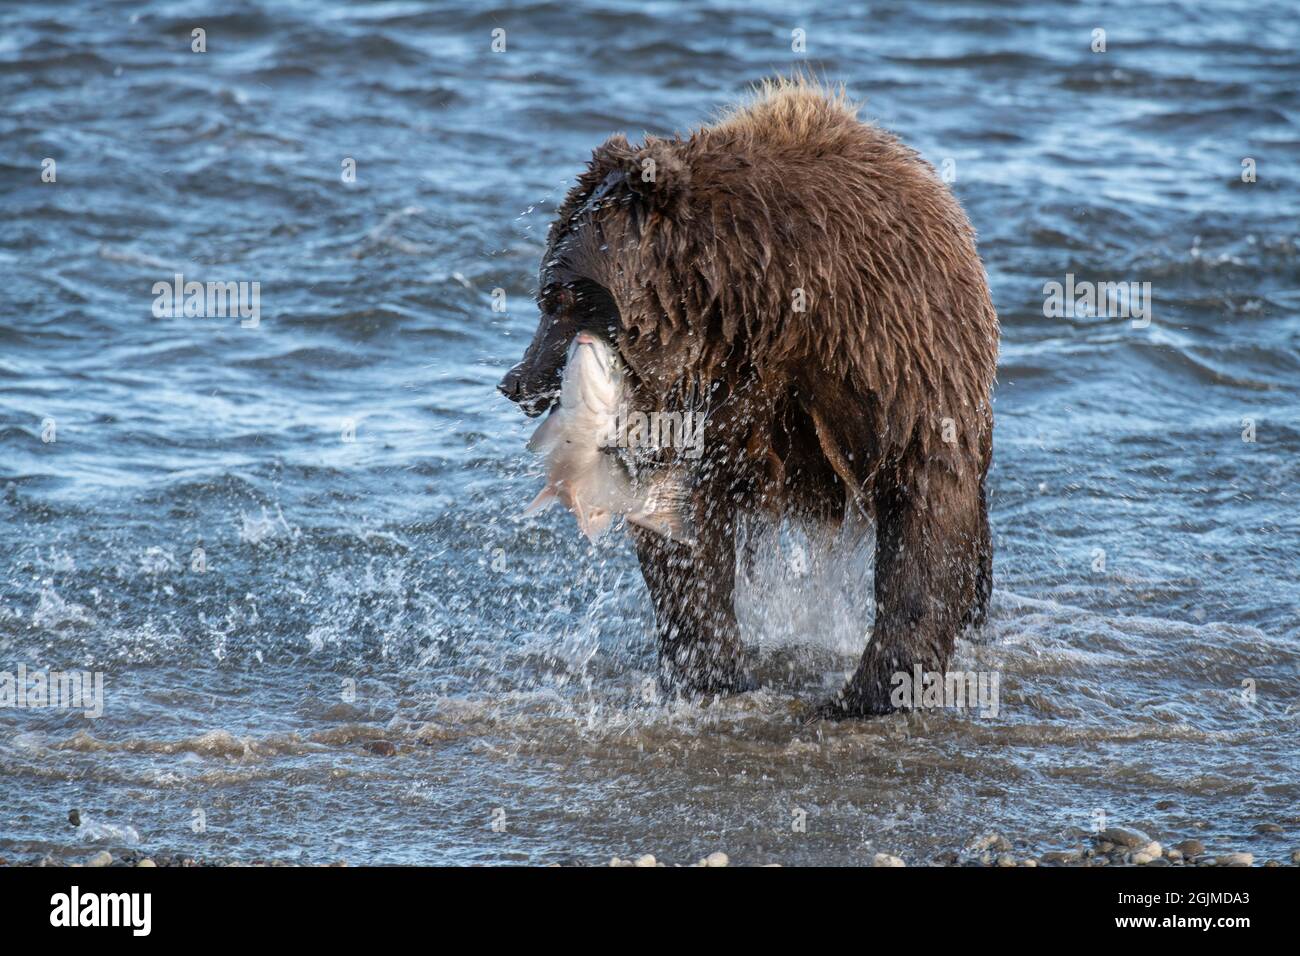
(932, 555)
(692, 588)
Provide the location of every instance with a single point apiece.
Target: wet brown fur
(841, 405)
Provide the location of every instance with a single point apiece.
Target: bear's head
(619, 262)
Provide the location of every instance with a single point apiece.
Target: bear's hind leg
(931, 567)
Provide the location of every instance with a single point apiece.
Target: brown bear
(810, 283)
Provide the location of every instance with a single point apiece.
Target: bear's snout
(534, 383)
(530, 397)
(511, 384)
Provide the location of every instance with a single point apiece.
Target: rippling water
(1144, 621)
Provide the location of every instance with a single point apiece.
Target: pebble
(1235, 859)
(1295, 856)
(1142, 858)
(886, 859)
(102, 858)
(989, 841)
(1125, 836)
(1063, 856)
(1174, 855)
(382, 748)
(1267, 828)
(1029, 863)
(1153, 849)
(1190, 848)
(716, 859)
(646, 860)
(74, 817)
(1006, 859)
(146, 862)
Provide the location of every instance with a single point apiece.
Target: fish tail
(544, 498)
(669, 524)
(668, 509)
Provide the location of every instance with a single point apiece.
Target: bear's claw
(851, 703)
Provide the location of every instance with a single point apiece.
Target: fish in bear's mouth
(588, 468)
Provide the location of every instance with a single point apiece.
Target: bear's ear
(659, 175)
(657, 172)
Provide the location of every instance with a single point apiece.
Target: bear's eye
(557, 298)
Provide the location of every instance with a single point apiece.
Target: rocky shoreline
(1117, 846)
(1114, 846)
